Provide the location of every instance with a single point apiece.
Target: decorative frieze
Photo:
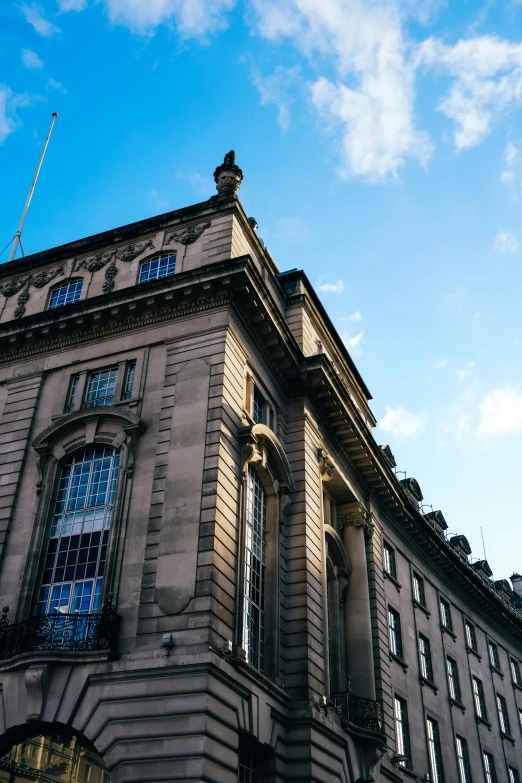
(188, 235)
(23, 284)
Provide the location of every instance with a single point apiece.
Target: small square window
(67, 293)
(101, 388)
(164, 266)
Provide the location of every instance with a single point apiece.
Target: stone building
(210, 571)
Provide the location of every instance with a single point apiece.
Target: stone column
(356, 522)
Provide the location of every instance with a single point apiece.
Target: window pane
(254, 585)
(394, 627)
(402, 731)
(445, 614)
(463, 759)
(425, 658)
(493, 655)
(74, 566)
(418, 590)
(434, 751)
(65, 294)
(128, 386)
(258, 407)
(101, 388)
(164, 266)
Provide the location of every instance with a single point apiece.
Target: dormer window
(164, 266)
(66, 293)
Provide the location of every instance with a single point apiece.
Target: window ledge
(507, 737)
(516, 685)
(496, 670)
(475, 652)
(455, 703)
(431, 684)
(389, 576)
(421, 606)
(409, 772)
(484, 721)
(57, 656)
(402, 662)
(447, 630)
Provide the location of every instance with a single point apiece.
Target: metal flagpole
(18, 234)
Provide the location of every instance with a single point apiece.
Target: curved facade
(211, 569)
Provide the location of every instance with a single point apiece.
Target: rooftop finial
(228, 176)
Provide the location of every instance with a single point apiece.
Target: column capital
(356, 515)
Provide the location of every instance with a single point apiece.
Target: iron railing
(60, 633)
(361, 712)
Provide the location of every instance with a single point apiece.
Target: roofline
(298, 274)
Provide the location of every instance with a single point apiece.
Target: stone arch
(53, 749)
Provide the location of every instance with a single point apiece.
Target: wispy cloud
(465, 371)
(505, 242)
(500, 412)
(34, 15)
(55, 85)
(369, 102)
(31, 60)
(72, 5)
(355, 316)
(440, 365)
(334, 288)
(353, 342)
(192, 18)
(350, 333)
(487, 82)
(400, 422)
(9, 103)
(278, 89)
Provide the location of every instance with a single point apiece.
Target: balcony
(62, 633)
(365, 713)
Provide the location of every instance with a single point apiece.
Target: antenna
(18, 234)
(483, 544)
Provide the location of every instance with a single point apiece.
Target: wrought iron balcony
(60, 633)
(361, 712)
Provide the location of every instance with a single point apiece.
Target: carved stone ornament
(228, 176)
(110, 274)
(132, 251)
(326, 466)
(36, 682)
(95, 263)
(38, 280)
(357, 515)
(188, 235)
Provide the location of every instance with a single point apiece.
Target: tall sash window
(255, 564)
(74, 567)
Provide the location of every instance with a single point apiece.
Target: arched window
(164, 266)
(254, 573)
(65, 293)
(77, 550)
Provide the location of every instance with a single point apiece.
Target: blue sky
(381, 144)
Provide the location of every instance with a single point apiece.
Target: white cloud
(54, 85)
(505, 242)
(31, 60)
(487, 73)
(277, 88)
(440, 365)
(9, 102)
(34, 15)
(500, 412)
(193, 18)
(402, 423)
(334, 288)
(507, 177)
(370, 103)
(72, 5)
(510, 154)
(353, 342)
(355, 316)
(463, 373)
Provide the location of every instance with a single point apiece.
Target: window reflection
(55, 759)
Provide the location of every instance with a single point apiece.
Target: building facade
(210, 570)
